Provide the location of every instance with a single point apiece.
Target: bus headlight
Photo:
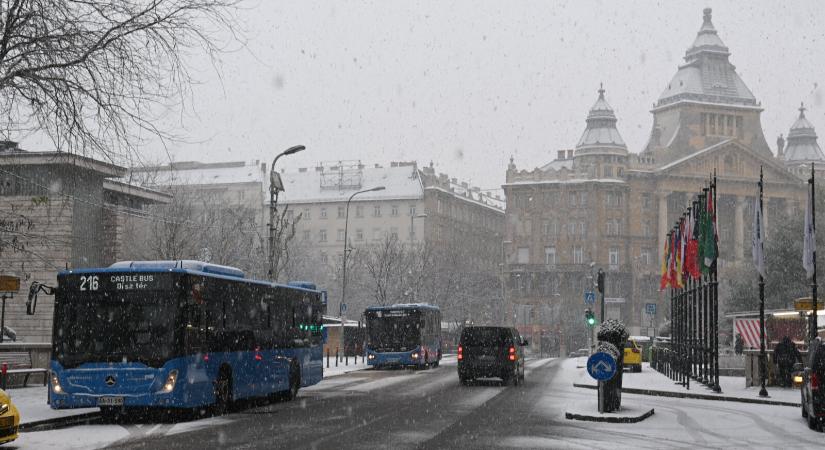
(56, 388)
(415, 355)
(169, 386)
(370, 356)
(4, 408)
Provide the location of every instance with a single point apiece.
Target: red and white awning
(749, 330)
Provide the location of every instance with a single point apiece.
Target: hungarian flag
(709, 237)
(674, 254)
(680, 254)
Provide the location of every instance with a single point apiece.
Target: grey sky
(465, 84)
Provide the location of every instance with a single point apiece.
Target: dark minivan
(491, 352)
(813, 385)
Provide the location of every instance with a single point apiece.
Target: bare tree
(95, 74)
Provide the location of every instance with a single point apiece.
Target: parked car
(9, 419)
(632, 356)
(813, 385)
(491, 352)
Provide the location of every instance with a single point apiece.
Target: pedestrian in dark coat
(786, 354)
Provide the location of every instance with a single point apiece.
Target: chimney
(302, 169)
(561, 154)
(319, 168)
(570, 154)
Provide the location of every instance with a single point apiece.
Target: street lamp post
(503, 266)
(276, 186)
(346, 251)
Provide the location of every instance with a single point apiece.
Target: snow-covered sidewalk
(650, 379)
(31, 402)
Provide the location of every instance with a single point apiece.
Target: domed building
(602, 205)
(803, 149)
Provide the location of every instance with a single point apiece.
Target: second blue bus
(403, 335)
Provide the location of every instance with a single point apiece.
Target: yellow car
(632, 356)
(9, 419)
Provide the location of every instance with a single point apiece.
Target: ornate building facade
(600, 205)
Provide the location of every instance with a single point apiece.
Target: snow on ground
(31, 402)
(731, 386)
(677, 422)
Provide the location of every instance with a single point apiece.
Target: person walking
(786, 354)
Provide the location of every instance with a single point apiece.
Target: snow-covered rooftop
(194, 173)
(400, 183)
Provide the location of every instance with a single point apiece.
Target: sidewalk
(31, 402)
(732, 387)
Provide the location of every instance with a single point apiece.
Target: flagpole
(758, 242)
(714, 292)
(814, 327)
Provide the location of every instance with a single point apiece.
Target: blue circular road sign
(601, 366)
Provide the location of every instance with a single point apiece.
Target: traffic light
(600, 281)
(589, 318)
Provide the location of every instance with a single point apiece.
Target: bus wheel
(294, 383)
(223, 391)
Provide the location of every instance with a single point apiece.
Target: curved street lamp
(346, 251)
(276, 185)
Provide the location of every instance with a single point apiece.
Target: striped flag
(809, 249)
(758, 241)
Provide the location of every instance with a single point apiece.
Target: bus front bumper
(410, 358)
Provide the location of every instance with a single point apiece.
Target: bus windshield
(115, 327)
(393, 331)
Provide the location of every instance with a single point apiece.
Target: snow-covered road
(430, 409)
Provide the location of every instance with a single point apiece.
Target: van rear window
(484, 336)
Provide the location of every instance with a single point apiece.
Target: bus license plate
(110, 401)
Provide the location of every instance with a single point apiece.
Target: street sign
(343, 308)
(601, 366)
(9, 283)
(614, 300)
(589, 298)
(650, 308)
(807, 304)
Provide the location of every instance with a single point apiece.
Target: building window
(376, 211)
(646, 228)
(412, 210)
(614, 256)
(578, 255)
(608, 172)
(306, 235)
(376, 234)
(305, 215)
(394, 233)
(324, 257)
(550, 256)
(394, 210)
(583, 199)
(340, 235)
(523, 255)
(359, 235)
(341, 212)
(550, 228)
(644, 257)
(572, 198)
(583, 229)
(323, 213)
(322, 236)
(646, 202)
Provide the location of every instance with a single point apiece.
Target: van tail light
(512, 353)
(814, 381)
(460, 353)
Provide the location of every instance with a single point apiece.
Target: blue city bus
(403, 335)
(180, 335)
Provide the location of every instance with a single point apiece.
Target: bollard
(346, 359)
(4, 369)
(327, 358)
(336, 356)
